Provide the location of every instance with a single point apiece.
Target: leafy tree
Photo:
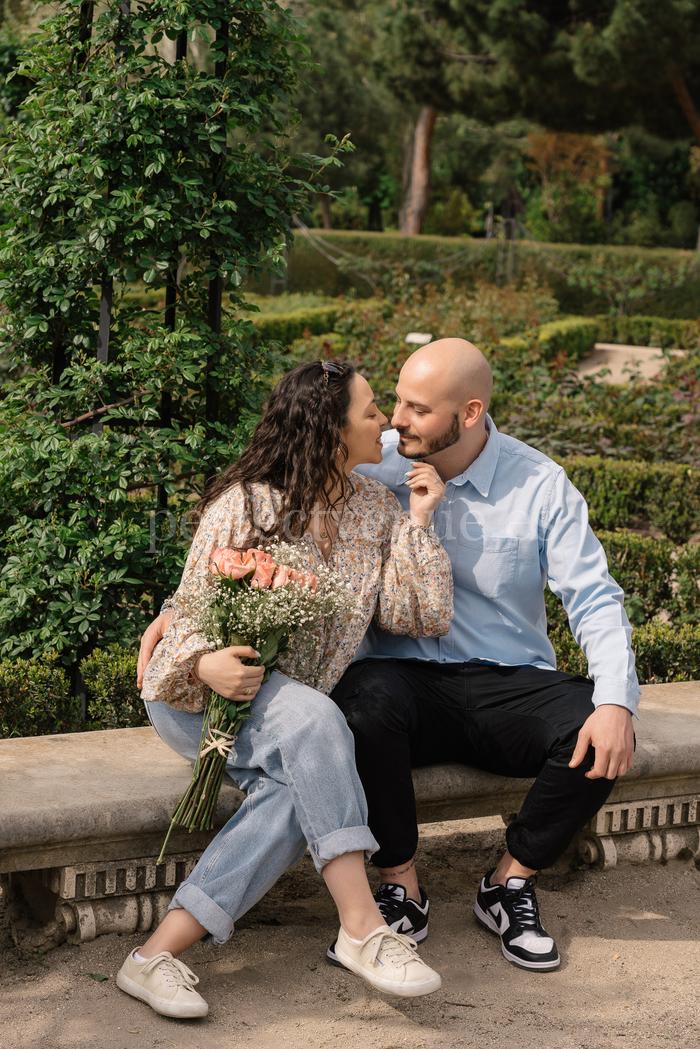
(343, 90)
(135, 159)
(586, 65)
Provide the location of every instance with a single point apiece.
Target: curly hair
(297, 446)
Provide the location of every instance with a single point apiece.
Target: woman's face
(362, 434)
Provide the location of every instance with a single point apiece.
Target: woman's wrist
(422, 520)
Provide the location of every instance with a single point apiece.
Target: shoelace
(390, 908)
(523, 904)
(176, 970)
(394, 946)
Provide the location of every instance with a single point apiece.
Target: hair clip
(330, 368)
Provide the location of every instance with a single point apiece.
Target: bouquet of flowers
(256, 597)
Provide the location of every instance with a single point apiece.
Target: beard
(437, 444)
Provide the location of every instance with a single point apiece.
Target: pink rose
(283, 575)
(231, 563)
(265, 568)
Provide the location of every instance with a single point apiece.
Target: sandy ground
(630, 940)
(623, 361)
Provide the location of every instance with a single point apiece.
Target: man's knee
(373, 699)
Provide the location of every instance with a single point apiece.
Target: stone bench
(83, 815)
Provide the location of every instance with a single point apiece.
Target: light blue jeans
(295, 759)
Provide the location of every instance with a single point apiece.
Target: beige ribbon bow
(219, 741)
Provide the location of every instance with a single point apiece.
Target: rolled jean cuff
(216, 921)
(338, 842)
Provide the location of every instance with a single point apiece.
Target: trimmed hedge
(113, 701)
(657, 577)
(576, 336)
(362, 256)
(286, 327)
(35, 698)
(620, 492)
(663, 652)
(639, 330)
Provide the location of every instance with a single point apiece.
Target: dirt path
(630, 939)
(622, 361)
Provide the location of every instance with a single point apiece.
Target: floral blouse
(398, 572)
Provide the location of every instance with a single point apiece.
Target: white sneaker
(165, 983)
(387, 960)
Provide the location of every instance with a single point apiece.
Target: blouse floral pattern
(399, 573)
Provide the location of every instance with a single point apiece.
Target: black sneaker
(512, 913)
(400, 914)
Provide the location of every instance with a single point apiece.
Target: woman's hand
(149, 639)
(427, 489)
(224, 672)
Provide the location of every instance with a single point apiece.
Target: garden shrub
(123, 164)
(35, 698)
(650, 331)
(620, 493)
(663, 652)
(585, 279)
(286, 327)
(686, 602)
(652, 572)
(113, 700)
(571, 337)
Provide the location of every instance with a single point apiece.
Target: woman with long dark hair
(294, 756)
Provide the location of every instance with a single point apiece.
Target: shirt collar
(480, 472)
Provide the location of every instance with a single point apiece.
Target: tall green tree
(133, 161)
(342, 90)
(587, 65)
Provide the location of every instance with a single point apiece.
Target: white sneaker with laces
(165, 983)
(387, 960)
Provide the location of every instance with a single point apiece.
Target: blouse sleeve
(416, 593)
(169, 676)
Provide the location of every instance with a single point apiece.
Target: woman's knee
(308, 712)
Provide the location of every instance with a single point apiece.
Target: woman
(294, 756)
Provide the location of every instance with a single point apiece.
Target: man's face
(424, 428)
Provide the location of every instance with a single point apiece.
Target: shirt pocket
(487, 565)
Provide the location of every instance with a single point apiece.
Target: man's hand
(149, 639)
(609, 731)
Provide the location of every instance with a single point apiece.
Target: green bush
(286, 327)
(663, 652)
(643, 566)
(571, 337)
(585, 278)
(113, 701)
(620, 493)
(650, 331)
(657, 577)
(576, 336)
(686, 602)
(117, 171)
(35, 698)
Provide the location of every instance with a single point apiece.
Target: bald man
(488, 694)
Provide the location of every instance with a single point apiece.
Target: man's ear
(472, 413)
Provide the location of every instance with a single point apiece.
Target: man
(487, 694)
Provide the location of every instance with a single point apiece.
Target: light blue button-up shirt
(511, 524)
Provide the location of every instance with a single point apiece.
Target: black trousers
(514, 721)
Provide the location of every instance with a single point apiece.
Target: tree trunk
(324, 203)
(685, 101)
(416, 202)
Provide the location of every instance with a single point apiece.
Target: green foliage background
(124, 165)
